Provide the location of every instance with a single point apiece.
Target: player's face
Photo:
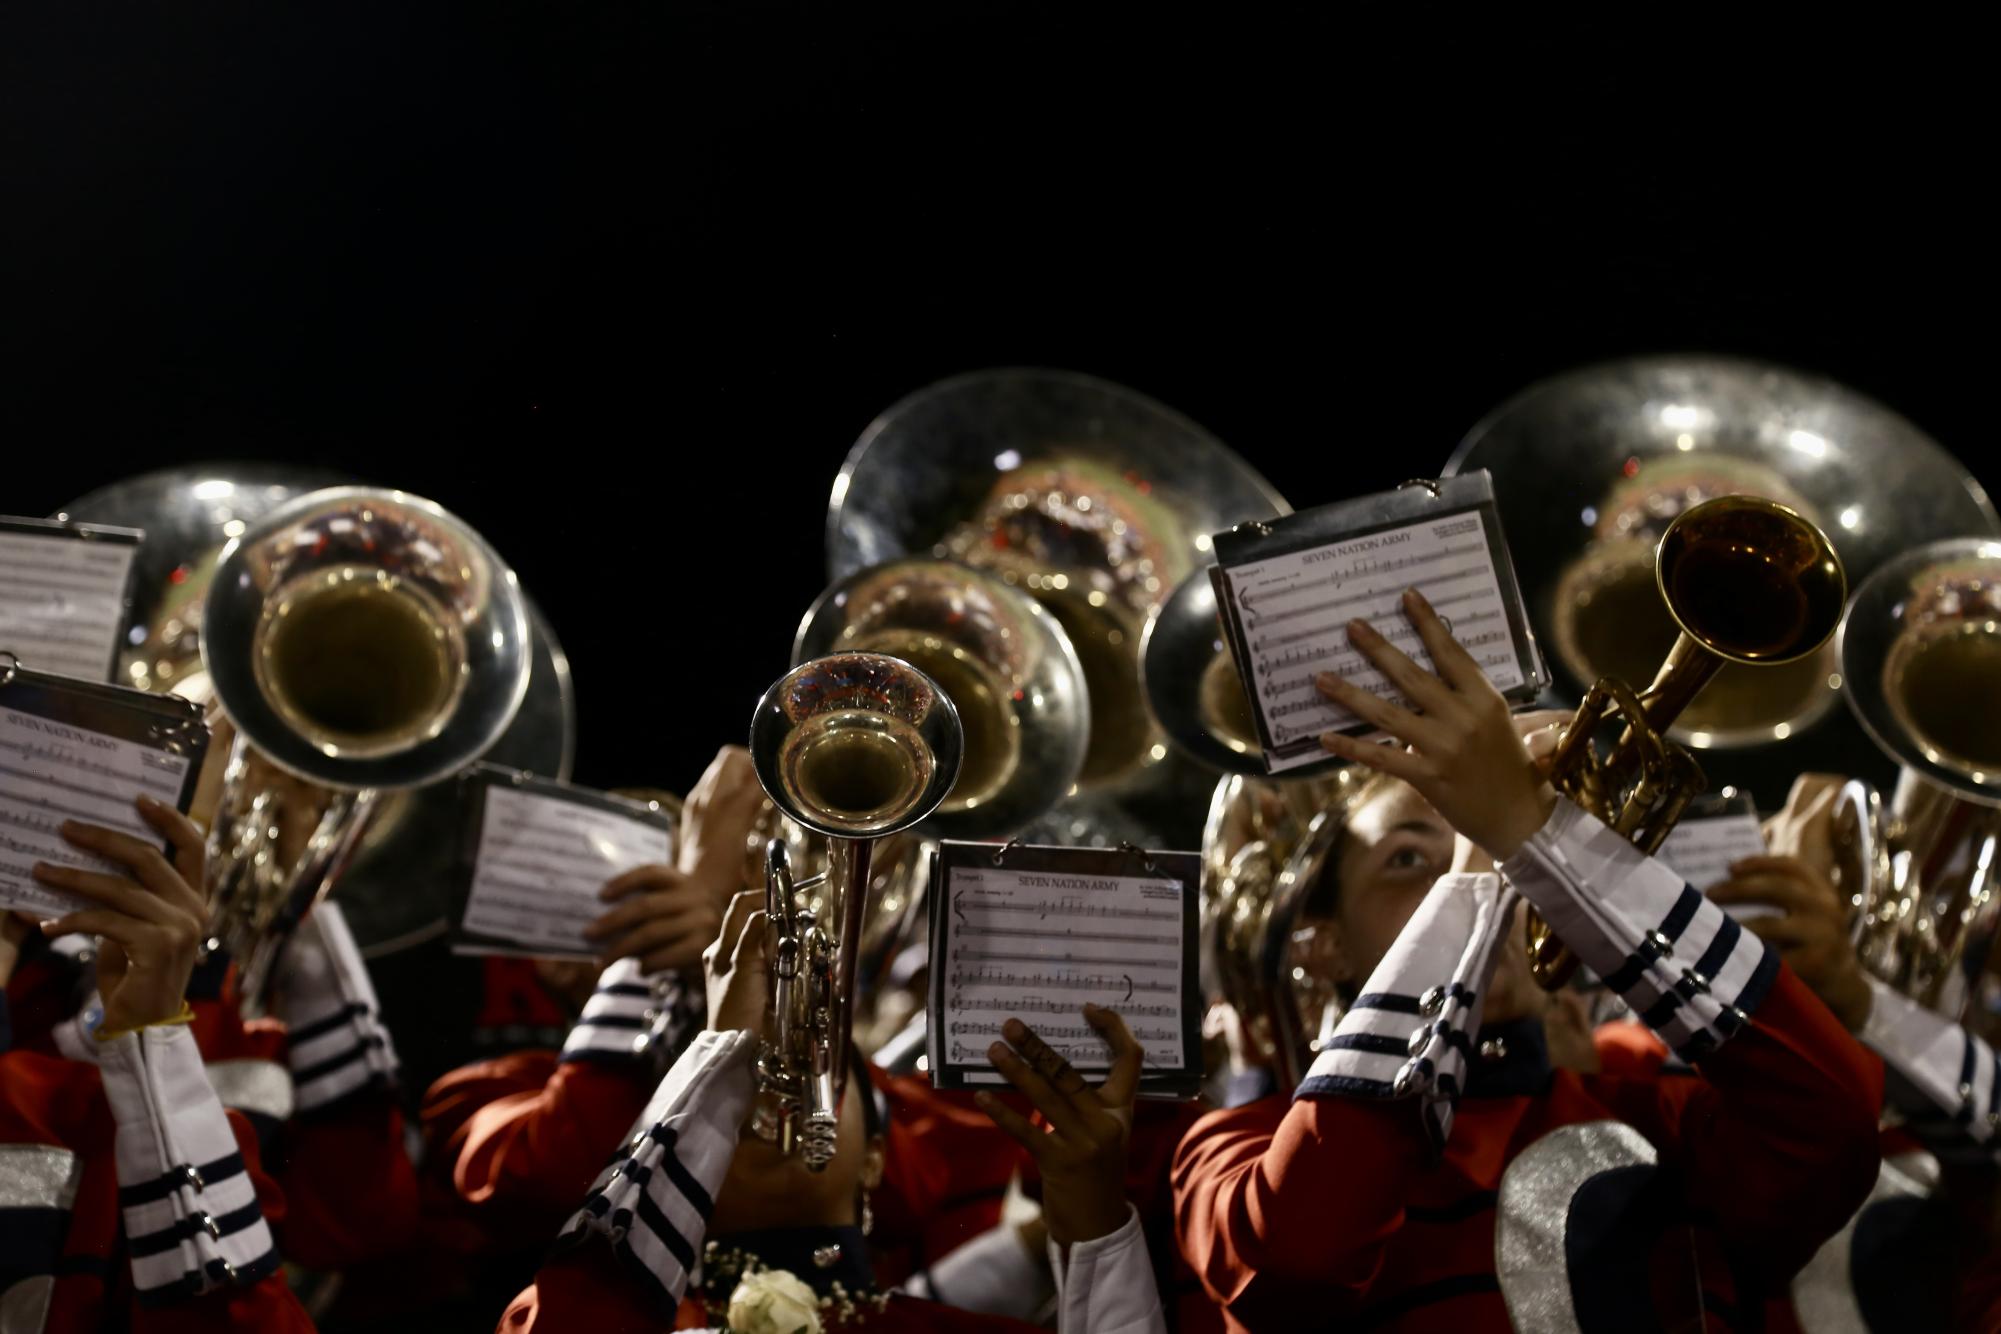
(1395, 849)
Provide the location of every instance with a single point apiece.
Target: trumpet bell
(366, 639)
(856, 745)
(1751, 581)
(1594, 457)
(1609, 621)
(1921, 651)
(997, 654)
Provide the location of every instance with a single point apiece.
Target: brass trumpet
(1747, 580)
(854, 747)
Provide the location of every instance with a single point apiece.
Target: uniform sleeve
(540, 1147)
(1777, 1141)
(996, 1272)
(653, 1204)
(1279, 1211)
(1947, 1073)
(201, 1252)
(337, 1045)
(1678, 961)
(1106, 1285)
(350, 1186)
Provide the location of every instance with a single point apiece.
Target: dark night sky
(621, 282)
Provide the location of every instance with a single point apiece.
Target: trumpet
(1747, 580)
(1590, 466)
(854, 747)
(1920, 650)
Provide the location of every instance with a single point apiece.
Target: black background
(620, 283)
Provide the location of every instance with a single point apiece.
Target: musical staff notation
(53, 772)
(541, 860)
(1017, 1006)
(1038, 946)
(1294, 610)
(62, 600)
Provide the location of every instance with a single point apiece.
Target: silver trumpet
(854, 747)
(1921, 654)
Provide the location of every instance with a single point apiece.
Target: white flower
(773, 1301)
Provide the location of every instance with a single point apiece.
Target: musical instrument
(395, 888)
(1921, 652)
(1092, 499)
(997, 654)
(1748, 581)
(1589, 468)
(853, 747)
(362, 641)
(1193, 686)
(1266, 848)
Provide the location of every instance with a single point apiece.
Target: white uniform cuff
(1410, 1032)
(632, 1017)
(1686, 967)
(994, 1274)
(337, 1043)
(653, 1203)
(192, 1221)
(1106, 1285)
(1953, 1070)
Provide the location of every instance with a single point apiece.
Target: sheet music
(1700, 851)
(1036, 946)
(62, 601)
(51, 772)
(1295, 609)
(541, 862)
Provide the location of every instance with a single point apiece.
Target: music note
(62, 597)
(1295, 625)
(1039, 946)
(541, 860)
(54, 772)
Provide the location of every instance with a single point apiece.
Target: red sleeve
(540, 1147)
(1777, 1140)
(1278, 1205)
(349, 1182)
(582, 1289)
(946, 1171)
(1628, 1050)
(265, 1306)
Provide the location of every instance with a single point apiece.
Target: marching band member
(316, 1079)
(1930, 1260)
(692, 1201)
(1097, 1250)
(132, 1198)
(1947, 1075)
(526, 1133)
(1383, 1192)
